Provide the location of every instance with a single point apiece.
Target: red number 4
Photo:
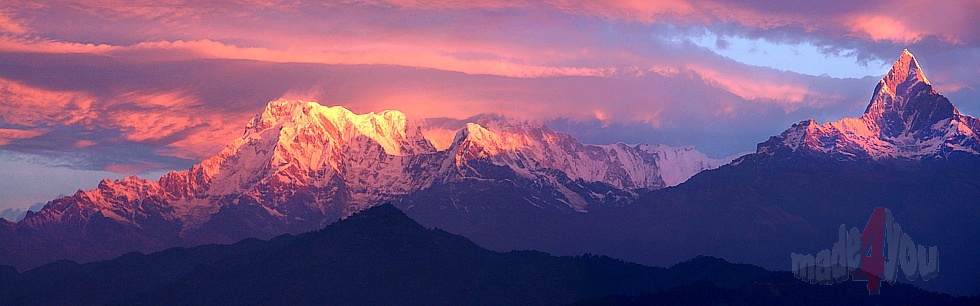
(873, 251)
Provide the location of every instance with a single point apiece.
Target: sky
(107, 89)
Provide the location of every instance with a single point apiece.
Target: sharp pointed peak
(906, 53)
(905, 102)
(903, 76)
(904, 69)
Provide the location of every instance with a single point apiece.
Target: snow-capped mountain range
(906, 119)
(300, 165)
(298, 146)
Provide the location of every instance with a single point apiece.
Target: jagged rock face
(300, 165)
(545, 157)
(904, 102)
(906, 120)
(6, 226)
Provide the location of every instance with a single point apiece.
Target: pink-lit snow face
(131, 86)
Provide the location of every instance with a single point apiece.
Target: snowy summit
(906, 119)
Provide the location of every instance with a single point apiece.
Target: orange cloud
(205, 143)
(20, 44)
(158, 116)
(755, 88)
(645, 11)
(142, 126)
(381, 54)
(161, 10)
(9, 135)
(29, 106)
(132, 169)
(11, 26)
(440, 138)
(449, 4)
(84, 144)
(920, 17)
(897, 21)
(364, 55)
(171, 117)
(884, 28)
(951, 87)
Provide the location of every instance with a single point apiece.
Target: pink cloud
(9, 135)
(30, 106)
(903, 21)
(449, 4)
(440, 138)
(377, 55)
(20, 44)
(11, 26)
(909, 22)
(132, 169)
(192, 134)
(386, 33)
(884, 28)
(754, 88)
(84, 144)
(169, 117)
(205, 143)
(644, 11)
(142, 126)
(173, 121)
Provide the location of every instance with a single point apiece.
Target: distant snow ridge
(906, 119)
(527, 148)
(16, 214)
